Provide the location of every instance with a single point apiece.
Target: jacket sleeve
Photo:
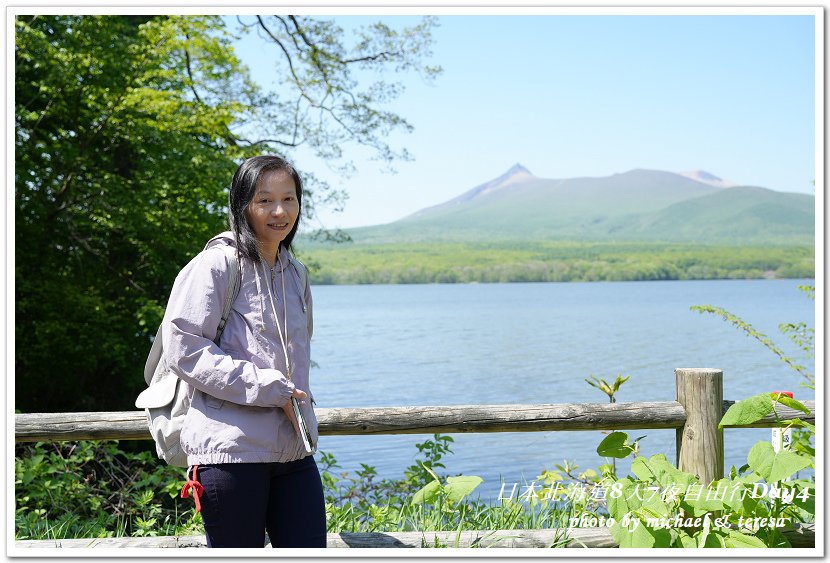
(190, 322)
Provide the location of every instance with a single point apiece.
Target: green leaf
(642, 536)
(775, 466)
(806, 502)
(747, 411)
(735, 538)
(428, 493)
(806, 425)
(709, 500)
(622, 500)
(459, 487)
(788, 402)
(614, 445)
(653, 506)
(715, 539)
(704, 538)
(549, 477)
(772, 537)
(805, 449)
(588, 474)
(621, 535)
(686, 540)
(643, 470)
(662, 471)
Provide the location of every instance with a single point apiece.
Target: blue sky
(594, 95)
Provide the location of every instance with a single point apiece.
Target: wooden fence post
(700, 441)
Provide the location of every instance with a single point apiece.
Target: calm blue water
(392, 345)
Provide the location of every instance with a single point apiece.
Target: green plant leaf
(614, 445)
(805, 449)
(653, 506)
(775, 466)
(715, 539)
(686, 540)
(788, 402)
(772, 537)
(747, 411)
(622, 500)
(642, 536)
(802, 424)
(428, 493)
(662, 470)
(588, 474)
(459, 487)
(735, 538)
(709, 500)
(621, 535)
(806, 502)
(549, 477)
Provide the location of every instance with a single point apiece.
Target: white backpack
(166, 400)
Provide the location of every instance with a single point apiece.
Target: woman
(248, 466)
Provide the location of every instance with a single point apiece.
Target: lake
(445, 344)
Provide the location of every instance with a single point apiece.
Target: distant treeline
(549, 262)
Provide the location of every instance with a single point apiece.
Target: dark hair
(243, 187)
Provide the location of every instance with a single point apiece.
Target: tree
(127, 131)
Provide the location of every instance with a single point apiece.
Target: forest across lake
(548, 261)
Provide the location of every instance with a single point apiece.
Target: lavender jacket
(238, 387)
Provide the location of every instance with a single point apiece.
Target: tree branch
(315, 49)
(381, 55)
(263, 141)
(284, 50)
(190, 72)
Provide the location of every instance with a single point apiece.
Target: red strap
(197, 487)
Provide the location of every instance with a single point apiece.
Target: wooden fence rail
(695, 415)
(132, 425)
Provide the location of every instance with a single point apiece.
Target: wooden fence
(695, 415)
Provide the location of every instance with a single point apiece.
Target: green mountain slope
(639, 205)
(741, 214)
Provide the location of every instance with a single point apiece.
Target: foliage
(311, 57)
(362, 490)
(94, 489)
(118, 174)
(662, 506)
(609, 389)
(127, 132)
(549, 261)
(424, 500)
(802, 335)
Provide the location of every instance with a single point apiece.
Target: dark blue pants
(243, 500)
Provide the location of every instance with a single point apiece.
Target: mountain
(742, 214)
(636, 205)
(707, 178)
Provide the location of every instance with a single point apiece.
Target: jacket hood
(224, 238)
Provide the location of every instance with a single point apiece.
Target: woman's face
(273, 209)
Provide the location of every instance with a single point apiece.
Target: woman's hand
(298, 394)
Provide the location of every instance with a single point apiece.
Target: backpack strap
(301, 270)
(233, 291)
